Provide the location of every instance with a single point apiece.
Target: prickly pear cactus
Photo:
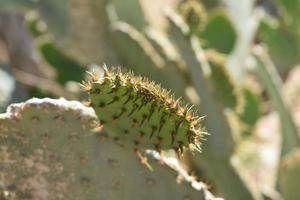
(220, 145)
(52, 149)
(250, 112)
(141, 113)
(222, 84)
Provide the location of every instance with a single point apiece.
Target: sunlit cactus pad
(140, 113)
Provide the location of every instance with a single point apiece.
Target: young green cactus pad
(138, 111)
(50, 151)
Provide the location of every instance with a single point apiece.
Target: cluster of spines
(149, 92)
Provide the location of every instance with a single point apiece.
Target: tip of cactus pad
(139, 113)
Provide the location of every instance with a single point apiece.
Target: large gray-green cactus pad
(50, 149)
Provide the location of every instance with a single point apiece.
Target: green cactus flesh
(142, 113)
(49, 150)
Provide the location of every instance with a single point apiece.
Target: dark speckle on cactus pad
(139, 113)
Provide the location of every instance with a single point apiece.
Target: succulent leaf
(140, 113)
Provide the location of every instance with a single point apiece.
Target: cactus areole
(139, 113)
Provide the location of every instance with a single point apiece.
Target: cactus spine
(142, 114)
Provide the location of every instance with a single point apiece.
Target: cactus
(179, 83)
(280, 36)
(268, 74)
(218, 23)
(126, 37)
(66, 19)
(155, 53)
(208, 26)
(141, 113)
(181, 49)
(250, 111)
(52, 149)
(285, 51)
(194, 15)
(289, 175)
(219, 148)
(188, 52)
(222, 84)
(58, 8)
(136, 19)
(66, 67)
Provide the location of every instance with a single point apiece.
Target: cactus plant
(61, 63)
(250, 111)
(289, 175)
(221, 143)
(65, 21)
(197, 54)
(52, 149)
(266, 70)
(141, 113)
(280, 36)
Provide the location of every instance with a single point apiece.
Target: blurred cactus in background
(233, 63)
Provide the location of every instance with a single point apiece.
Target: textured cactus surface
(50, 149)
(141, 113)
